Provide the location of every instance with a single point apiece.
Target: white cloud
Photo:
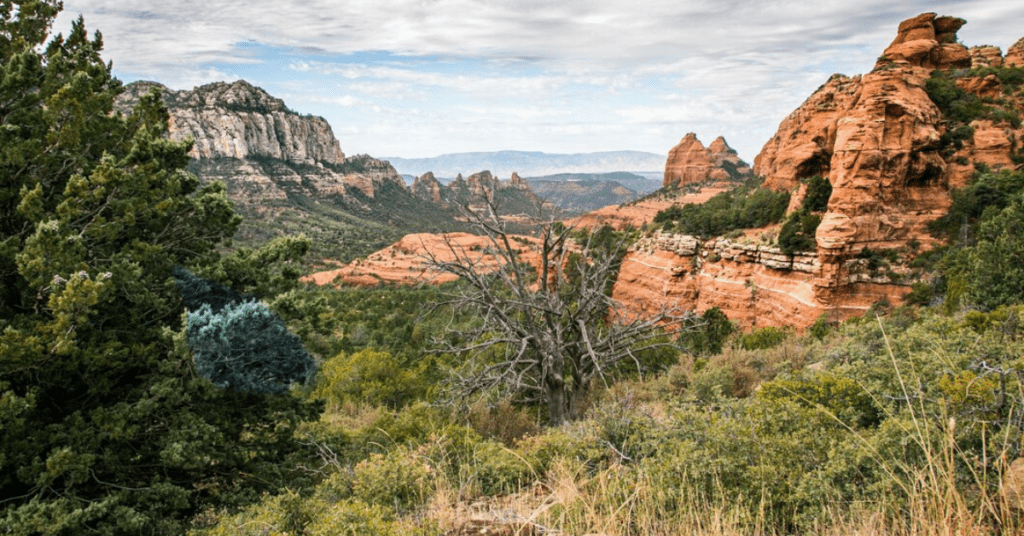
(561, 76)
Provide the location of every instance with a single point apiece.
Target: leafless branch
(546, 323)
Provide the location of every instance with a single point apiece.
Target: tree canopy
(105, 426)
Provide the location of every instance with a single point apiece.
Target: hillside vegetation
(904, 421)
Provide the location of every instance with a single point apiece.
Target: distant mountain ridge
(528, 163)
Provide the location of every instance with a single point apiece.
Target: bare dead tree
(545, 330)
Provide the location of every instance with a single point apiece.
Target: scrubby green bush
(746, 207)
(705, 335)
(496, 470)
(368, 377)
(798, 233)
(960, 107)
(819, 191)
(323, 513)
(401, 479)
(996, 274)
(839, 396)
(763, 338)
(988, 191)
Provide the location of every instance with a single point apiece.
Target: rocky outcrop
(930, 42)
(427, 187)
(239, 120)
(260, 148)
(986, 56)
(754, 283)
(879, 140)
(803, 145)
(722, 153)
(1015, 54)
(690, 162)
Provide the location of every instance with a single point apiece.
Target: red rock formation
(427, 187)
(876, 138)
(407, 262)
(1015, 54)
(690, 162)
(986, 56)
(803, 145)
(927, 41)
(721, 153)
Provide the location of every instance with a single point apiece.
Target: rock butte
(690, 162)
(876, 138)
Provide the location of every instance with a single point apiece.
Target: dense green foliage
(105, 427)
(982, 265)
(959, 107)
(745, 207)
(819, 191)
(797, 233)
(246, 347)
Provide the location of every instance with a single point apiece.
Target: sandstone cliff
(690, 162)
(286, 173)
(260, 148)
(513, 198)
(892, 158)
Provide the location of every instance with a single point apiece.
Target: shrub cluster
(960, 107)
(797, 233)
(746, 207)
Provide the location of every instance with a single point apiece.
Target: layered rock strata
(690, 162)
(754, 283)
(878, 139)
(259, 148)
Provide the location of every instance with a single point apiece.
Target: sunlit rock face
(877, 138)
(260, 148)
(690, 162)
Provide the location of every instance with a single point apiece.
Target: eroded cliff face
(690, 162)
(513, 198)
(879, 140)
(260, 149)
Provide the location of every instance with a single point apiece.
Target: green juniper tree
(105, 425)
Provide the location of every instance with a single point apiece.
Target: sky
(420, 78)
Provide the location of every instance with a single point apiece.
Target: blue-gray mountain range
(529, 163)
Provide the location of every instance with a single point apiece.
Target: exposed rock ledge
(756, 285)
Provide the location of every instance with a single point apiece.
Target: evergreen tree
(995, 273)
(105, 427)
(247, 348)
(197, 292)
